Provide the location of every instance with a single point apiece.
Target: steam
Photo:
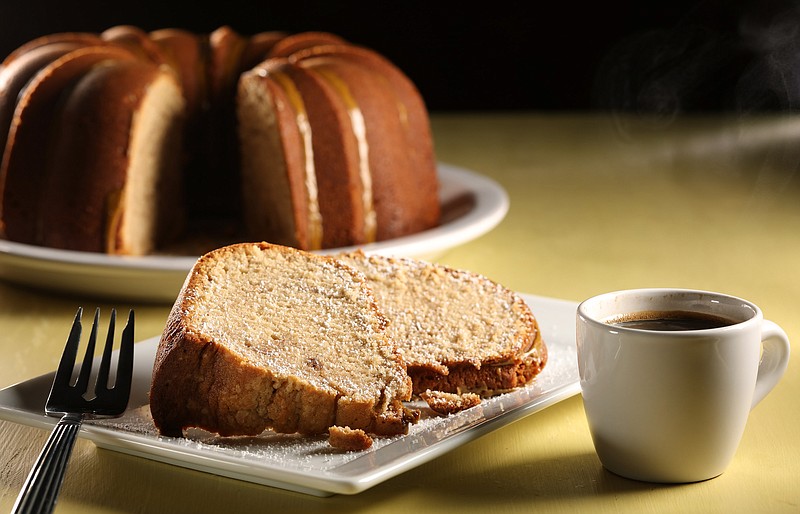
(774, 72)
(745, 64)
(715, 60)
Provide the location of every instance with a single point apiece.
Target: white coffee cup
(670, 406)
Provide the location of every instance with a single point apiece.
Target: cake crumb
(348, 439)
(449, 403)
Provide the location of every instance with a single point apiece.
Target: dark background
(662, 56)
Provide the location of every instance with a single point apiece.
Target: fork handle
(39, 493)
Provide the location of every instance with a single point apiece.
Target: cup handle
(774, 359)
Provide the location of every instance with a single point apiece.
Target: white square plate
(309, 464)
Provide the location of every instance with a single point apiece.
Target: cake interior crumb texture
(297, 317)
(444, 315)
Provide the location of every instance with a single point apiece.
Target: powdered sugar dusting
(305, 453)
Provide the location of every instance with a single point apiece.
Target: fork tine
(86, 367)
(105, 364)
(67, 363)
(122, 385)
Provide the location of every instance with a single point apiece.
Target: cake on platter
(134, 143)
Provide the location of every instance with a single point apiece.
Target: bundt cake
(266, 336)
(458, 331)
(134, 142)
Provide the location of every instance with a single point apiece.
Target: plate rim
(491, 207)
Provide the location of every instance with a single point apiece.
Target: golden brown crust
(401, 140)
(136, 40)
(86, 191)
(19, 67)
(294, 43)
(17, 72)
(400, 146)
(28, 169)
(72, 39)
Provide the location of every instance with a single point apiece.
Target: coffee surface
(670, 321)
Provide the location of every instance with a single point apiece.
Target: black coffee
(671, 321)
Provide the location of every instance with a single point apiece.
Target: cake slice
(265, 336)
(458, 331)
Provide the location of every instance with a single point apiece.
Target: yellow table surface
(598, 203)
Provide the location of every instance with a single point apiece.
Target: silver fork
(75, 403)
